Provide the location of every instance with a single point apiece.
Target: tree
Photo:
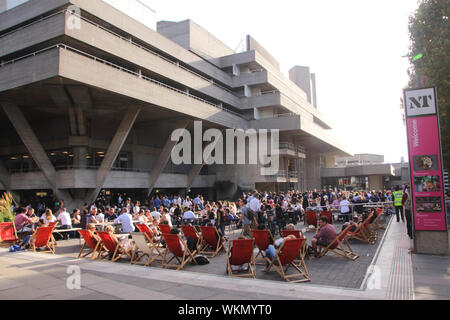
(5, 208)
(429, 55)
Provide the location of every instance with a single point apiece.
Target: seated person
(29, 240)
(191, 243)
(243, 267)
(290, 227)
(123, 241)
(325, 234)
(23, 222)
(272, 248)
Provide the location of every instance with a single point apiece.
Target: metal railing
(128, 40)
(110, 64)
(293, 174)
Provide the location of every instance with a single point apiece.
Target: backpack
(14, 248)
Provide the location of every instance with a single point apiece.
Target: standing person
(345, 209)
(406, 202)
(398, 196)
(126, 220)
(246, 219)
(221, 220)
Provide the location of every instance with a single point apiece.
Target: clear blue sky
(355, 48)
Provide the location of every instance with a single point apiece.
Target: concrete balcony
(250, 79)
(270, 99)
(291, 150)
(280, 177)
(284, 122)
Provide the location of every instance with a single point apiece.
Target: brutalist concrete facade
(90, 97)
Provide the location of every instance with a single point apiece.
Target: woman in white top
(136, 208)
(48, 216)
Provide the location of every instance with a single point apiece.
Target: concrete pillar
(35, 148)
(164, 156)
(313, 177)
(376, 183)
(113, 150)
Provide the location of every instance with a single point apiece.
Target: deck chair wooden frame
(143, 248)
(43, 238)
(110, 246)
(362, 233)
(242, 254)
(148, 234)
(299, 235)
(262, 241)
(336, 246)
(8, 234)
(173, 247)
(285, 257)
(191, 231)
(212, 241)
(89, 243)
(376, 223)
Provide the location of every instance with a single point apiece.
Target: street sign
(425, 161)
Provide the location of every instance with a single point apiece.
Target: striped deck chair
(173, 246)
(285, 257)
(143, 248)
(241, 254)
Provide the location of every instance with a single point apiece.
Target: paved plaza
(28, 275)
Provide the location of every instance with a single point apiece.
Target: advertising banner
(425, 162)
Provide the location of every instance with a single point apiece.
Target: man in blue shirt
(157, 202)
(166, 202)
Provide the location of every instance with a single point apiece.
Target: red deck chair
(173, 246)
(311, 218)
(376, 223)
(362, 233)
(242, 254)
(164, 228)
(262, 241)
(212, 241)
(329, 216)
(148, 234)
(337, 247)
(111, 247)
(190, 231)
(8, 234)
(299, 235)
(93, 245)
(43, 238)
(285, 257)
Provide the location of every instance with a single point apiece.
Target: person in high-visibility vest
(398, 196)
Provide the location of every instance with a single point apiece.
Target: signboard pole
(426, 171)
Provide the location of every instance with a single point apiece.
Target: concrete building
(90, 96)
(362, 172)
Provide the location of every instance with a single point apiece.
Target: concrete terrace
(27, 275)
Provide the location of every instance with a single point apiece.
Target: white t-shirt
(155, 215)
(46, 221)
(344, 204)
(64, 219)
(100, 217)
(188, 215)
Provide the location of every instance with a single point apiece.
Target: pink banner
(426, 173)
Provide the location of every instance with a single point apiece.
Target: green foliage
(5, 208)
(429, 31)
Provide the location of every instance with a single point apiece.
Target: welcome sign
(425, 162)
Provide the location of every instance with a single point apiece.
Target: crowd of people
(271, 210)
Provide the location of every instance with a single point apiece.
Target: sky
(355, 48)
